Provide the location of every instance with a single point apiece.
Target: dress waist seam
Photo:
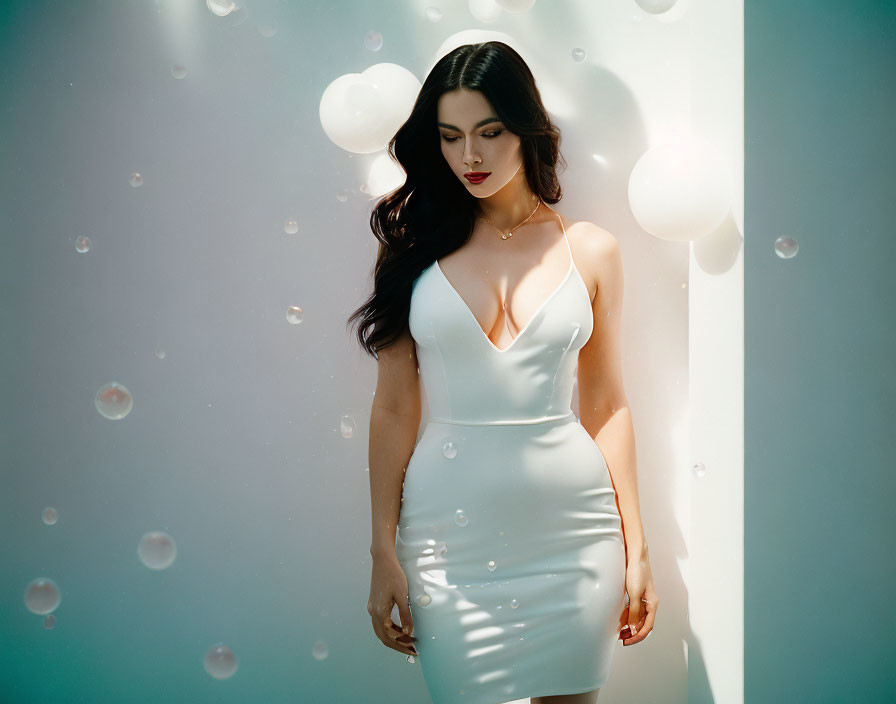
(519, 421)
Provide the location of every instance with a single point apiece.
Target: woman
(517, 545)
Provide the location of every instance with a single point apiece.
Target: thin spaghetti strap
(565, 236)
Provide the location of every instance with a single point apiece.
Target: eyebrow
(478, 124)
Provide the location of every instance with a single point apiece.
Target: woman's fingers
(389, 635)
(644, 626)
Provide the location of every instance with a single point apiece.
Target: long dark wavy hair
(432, 213)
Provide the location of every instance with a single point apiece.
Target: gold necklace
(509, 232)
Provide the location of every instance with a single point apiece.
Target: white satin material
(509, 532)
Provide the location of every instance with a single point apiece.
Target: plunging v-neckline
(538, 310)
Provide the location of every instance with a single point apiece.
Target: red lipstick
(476, 176)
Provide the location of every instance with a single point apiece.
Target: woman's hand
(637, 618)
(388, 586)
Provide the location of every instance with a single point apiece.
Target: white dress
(509, 532)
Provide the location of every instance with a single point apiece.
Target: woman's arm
(603, 406)
(394, 421)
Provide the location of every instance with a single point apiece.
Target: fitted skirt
(511, 540)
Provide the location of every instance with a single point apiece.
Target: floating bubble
(291, 227)
(136, 179)
(699, 469)
(347, 426)
(157, 550)
(491, 565)
(49, 621)
(160, 352)
(178, 71)
(82, 244)
(514, 603)
(461, 518)
(220, 662)
(221, 8)
(578, 54)
(294, 315)
(42, 596)
(786, 247)
(424, 600)
(342, 196)
(113, 401)
(449, 449)
(319, 650)
(48, 515)
(373, 40)
(433, 14)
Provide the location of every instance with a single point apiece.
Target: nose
(471, 158)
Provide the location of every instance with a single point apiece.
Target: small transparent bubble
(786, 247)
(491, 565)
(461, 518)
(136, 179)
(220, 662)
(514, 603)
(347, 426)
(373, 40)
(342, 195)
(157, 550)
(319, 650)
(82, 244)
(699, 469)
(578, 54)
(449, 449)
(113, 401)
(42, 596)
(50, 621)
(160, 352)
(221, 8)
(291, 226)
(48, 515)
(178, 71)
(433, 14)
(424, 600)
(294, 315)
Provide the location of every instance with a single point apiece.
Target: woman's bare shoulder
(592, 247)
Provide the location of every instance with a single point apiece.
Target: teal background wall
(820, 156)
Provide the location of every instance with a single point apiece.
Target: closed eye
(490, 135)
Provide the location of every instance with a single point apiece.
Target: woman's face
(474, 139)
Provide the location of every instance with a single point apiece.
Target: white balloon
(476, 36)
(484, 10)
(516, 6)
(656, 7)
(680, 190)
(384, 176)
(361, 112)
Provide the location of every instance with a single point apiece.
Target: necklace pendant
(509, 234)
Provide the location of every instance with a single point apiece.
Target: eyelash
(493, 133)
